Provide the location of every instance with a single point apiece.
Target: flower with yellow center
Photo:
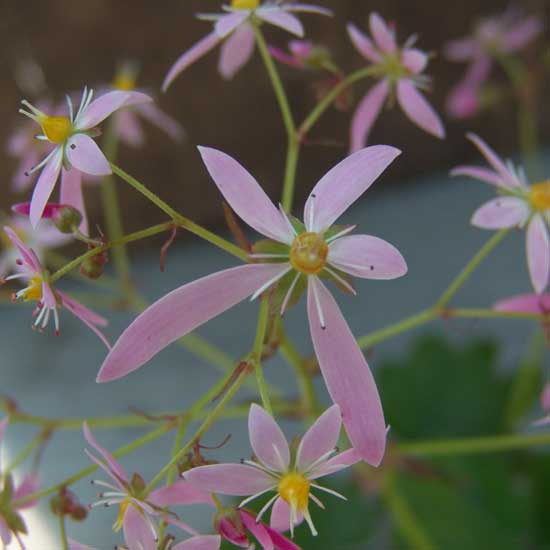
(309, 253)
(245, 4)
(539, 196)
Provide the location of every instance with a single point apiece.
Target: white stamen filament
(255, 496)
(341, 280)
(317, 501)
(42, 163)
(289, 293)
(70, 106)
(318, 302)
(266, 507)
(267, 256)
(260, 467)
(341, 233)
(287, 219)
(321, 459)
(329, 491)
(269, 283)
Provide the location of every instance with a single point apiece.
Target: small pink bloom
(41, 291)
(234, 29)
(400, 70)
(517, 205)
(306, 253)
(74, 149)
(276, 469)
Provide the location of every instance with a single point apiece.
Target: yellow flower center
(245, 4)
(124, 82)
(309, 253)
(294, 489)
(33, 293)
(539, 196)
(57, 129)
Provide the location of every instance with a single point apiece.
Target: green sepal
(6, 495)
(282, 289)
(335, 229)
(345, 276)
(267, 246)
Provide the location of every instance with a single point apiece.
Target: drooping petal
(201, 48)
(111, 461)
(500, 213)
(159, 118)
(307, 8)
(204, 542)
(29, 485)
(280, 516)
(344, 184)
(525, 303)
(538, 253)
(267, 439)
(258, 529)
(137, 531)
(182, 311)
(415, 60)
(179, 493)
(129, 129)
(44, 186)
(84, 153)
(347, 375)
(363, 44)
(280, 18)
(226, 24)
(366, 114)
(28, 256)
(236, 51)
(230, 479)
(382, 34)
(71, 195)
(418, 109)
(475, 172)
(368, 257)
(245, 196)
(320, 439)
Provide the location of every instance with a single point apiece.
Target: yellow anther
(245, 4)
(539, 196)
(124, 82)
(57, 129)
(294, 489)
(309, 253)
(33, 293)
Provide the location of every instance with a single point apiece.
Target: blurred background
(452, 379)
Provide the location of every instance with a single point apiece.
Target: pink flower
(48, 299)
(11, 522)
(74, 151)
(299, 56)
(234, 29)
(400, 71)
(277, 469)
(503, 34)
(139, 509)
(301, 254)
(517, 205)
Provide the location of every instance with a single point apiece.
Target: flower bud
(230, 526)
(66, 218)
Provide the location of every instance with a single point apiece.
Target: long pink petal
(71, 195)
(523, 33)
(236, 51)
(129, 128)
(230, 479)
(500, 213)
(525, 303)
(267, 439)
(137, 531)
(344, 184)
(226, 24)
(258, 529)
(29, 485)
(477, 173)
(418, 109)
(538, 253)
(44, 186)
(320, 439)
(245, 196)
(280, 516)
(366, 114)
(368, 257)
(203, 542)
(28, 257)
(280, 18)
(84, 153)
(461, 50)
(201, 48)
(363, 44)
(179, 493)
(414, 60)
(382, 34)
(307, 8)
(180, 312)
(347, 375)
(114, 466)
(159, 118)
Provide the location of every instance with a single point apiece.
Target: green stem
(292, 157)
(473, 313)
(25, 453)
(464, 275)
(182, 221)
(263, 318)
(63, 532)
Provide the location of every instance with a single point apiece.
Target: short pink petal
(366, 114)
(204, 542)
(463, 100)
(415, 60)
(461, 50)
(280, 516)
(336, 464)
(363, 44)
(201, 48)
(307, 8)
(538, 253)
(226, 24)
(129, 128)
(159, 118)
(482, 174)
(418, 109)
(367, 257)
(85, 155)
(113, 464)
(258, 530)
(236, 51)
(137, 531)
(245, 196)
(320, 439)
(347, 375)
(44, 186)
(267, 439)
(29, 485)
(180, 312)
(525, 303)
(382, 34)
(280, 18)
(27, 255)
(344, 184)
(523, 33)
(71, 195)
(179, 493)
(500, 213)
(230, 479)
